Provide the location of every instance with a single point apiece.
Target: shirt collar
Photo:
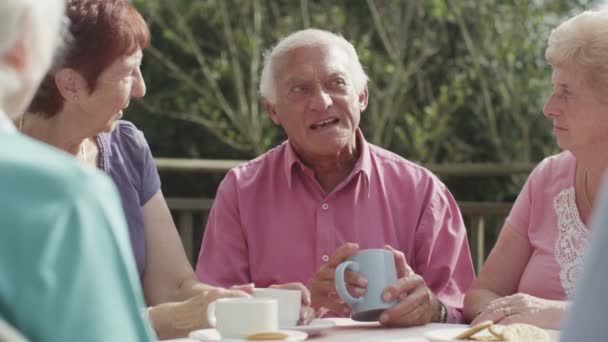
(6, 125)
(363, 165)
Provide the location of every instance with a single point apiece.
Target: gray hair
(583, 40)
(308, 37)
(43, 19)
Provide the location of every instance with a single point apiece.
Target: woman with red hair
(78, 109)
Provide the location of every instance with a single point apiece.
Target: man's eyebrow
(294, 79)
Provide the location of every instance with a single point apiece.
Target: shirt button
(325, 258)
(325, 206)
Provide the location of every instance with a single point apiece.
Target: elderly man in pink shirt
(297, 211)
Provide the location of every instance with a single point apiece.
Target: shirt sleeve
(134, 144)
(223, 259)
(150, 179)
(442, 255)
(84, 284)
(519, 217)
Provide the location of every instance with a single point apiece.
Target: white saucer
(315, 327)
(212, 335)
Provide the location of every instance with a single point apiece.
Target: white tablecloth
(347, 330)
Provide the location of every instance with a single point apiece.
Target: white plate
(447, 335)
(315, 327)
(213, 335)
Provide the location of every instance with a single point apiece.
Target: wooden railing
(481, 218)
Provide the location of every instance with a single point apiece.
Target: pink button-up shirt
(272, 223)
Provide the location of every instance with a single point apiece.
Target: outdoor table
(348, 330)
(352, 331)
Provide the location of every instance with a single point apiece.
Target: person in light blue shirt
(66, 269)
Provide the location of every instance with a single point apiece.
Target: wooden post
(185, 226)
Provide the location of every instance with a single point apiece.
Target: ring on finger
(506, 311)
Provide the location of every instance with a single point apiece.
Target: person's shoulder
(52, 171)
(127, 136)
(560, 165)
(256, 166)
(390, 162)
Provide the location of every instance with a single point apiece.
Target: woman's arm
(177, 300)
(500, 274)
(168, 275)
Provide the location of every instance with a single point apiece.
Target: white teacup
(290, 302)
(239, 317)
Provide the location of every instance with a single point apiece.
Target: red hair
(102, 31)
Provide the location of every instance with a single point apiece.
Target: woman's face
(115, 86)
(580, 119)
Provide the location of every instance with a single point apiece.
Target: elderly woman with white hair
(531, 273)
(66, 270)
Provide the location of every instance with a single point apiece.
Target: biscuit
(473, 330)
(485, 338)
(522, 332)
(270, 335)
(497, 330)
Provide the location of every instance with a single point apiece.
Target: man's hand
(323, 288)
(417, 304)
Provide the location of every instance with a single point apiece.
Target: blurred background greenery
(451, 81)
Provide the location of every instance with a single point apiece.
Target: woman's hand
(177, 319)
(523, 308)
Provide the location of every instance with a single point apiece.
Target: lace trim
(572, 239)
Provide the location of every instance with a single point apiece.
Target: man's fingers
(403, 269)
(325, 273)
(410, 316)
(355, 279)
(402, 287)
(409, 303)
(355, 291)
(342, 253)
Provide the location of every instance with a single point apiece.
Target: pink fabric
(272, 223)
(548, 195)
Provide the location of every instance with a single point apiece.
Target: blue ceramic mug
(378, 267)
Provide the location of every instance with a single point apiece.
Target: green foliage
(451, 81)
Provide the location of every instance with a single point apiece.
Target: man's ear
(271, 108)
(363, 97)
(69, 83)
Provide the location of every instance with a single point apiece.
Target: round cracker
(473, 330)
(270, 335)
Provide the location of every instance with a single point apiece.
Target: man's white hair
(43, 18)
(308, 37)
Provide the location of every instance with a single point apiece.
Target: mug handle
(211, 314)
(341, 285)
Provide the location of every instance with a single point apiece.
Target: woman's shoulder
(555, 169)
(125, 137)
